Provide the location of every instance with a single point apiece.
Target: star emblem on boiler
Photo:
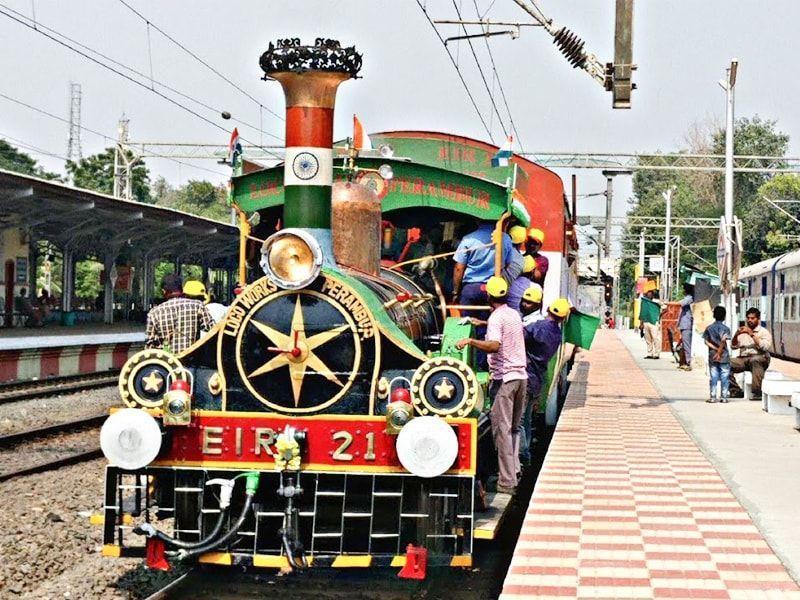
(444, 389)
(153, 382)
(296, 350)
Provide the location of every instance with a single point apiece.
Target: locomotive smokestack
(309, 76)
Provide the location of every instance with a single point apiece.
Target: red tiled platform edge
(627, 506)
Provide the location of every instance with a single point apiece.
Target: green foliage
(780, 232)
(701, 194)
(87, 279)
(96, 173)
(201, 198)
(11, 159)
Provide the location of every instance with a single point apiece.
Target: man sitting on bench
(754, 343)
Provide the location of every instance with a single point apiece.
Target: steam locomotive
(328, 419)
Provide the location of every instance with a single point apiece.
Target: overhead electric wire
(480, 70)
(24, 20)
(458, 71)
(103, 135)
(31, 148)
(497, 76)
(199, 59)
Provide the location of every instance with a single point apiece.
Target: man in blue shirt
(517, 287)
(686, 324)
(474, 266)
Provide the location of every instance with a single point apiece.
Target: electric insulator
(571, 47)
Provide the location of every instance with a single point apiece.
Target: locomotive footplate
(344, 519)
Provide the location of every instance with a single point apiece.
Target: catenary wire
(499, 81)
(145, 154)
(458, 71)
(200, 60)
(480, 70)
(43, 30)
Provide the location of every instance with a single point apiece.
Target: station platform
(647, 491)
(56, 351)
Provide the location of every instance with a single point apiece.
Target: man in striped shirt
(506, 347)
(175, 324)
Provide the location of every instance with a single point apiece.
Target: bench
(776, 393)
(796, 407)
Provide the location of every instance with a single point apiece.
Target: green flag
(579, 329)
(650, 312)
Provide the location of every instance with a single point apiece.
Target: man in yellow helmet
(531, 304)
(532, 247)
(506, 346)
(521, 283)
(542, 341)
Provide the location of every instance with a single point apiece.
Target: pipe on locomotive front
(310, 77)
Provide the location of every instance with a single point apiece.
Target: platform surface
(51, 336)
(629, 505)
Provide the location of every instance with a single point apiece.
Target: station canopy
(97, 224)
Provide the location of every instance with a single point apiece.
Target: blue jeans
(720, 372)
(686, 342)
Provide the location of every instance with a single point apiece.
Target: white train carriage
(773, 286)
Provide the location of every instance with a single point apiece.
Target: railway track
(11, 392)
(11, 441)
(67, 427)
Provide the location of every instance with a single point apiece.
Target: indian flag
(504, 153)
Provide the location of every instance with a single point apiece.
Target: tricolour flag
(234, 147)
(504, 153)
(361, 140)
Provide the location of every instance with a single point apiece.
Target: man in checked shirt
(175, 324)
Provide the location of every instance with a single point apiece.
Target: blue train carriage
(328, 420)
(773, 287)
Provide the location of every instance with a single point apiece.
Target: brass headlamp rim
(316, 257)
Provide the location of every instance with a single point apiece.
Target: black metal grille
(338, 513)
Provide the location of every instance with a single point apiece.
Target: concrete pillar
(108, 288)
(67, 279)
(33, 253)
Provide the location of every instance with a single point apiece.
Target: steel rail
(52, 465)
(66, 427)
(12, 392)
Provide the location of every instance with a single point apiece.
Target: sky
(681, 47)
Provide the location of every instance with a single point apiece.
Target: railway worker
(532, 247)
(196, 290)
(175, 324)
(505, 343)
(650, 320)
(516, 262)
(474, 260)
(530, 306)
(754, 343)
(517, 287)
(686, 325)
(542, 341)
(716, 337)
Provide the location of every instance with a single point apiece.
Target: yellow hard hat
(650, 286)
(194, 288)
(533, 293)
(497, 287)
(560, 308)
(536, 234)
(528, 263)
(517, 234)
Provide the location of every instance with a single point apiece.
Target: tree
(96, 173)
(701, 194)
(780, 231)
(11, 159)
(201, 198)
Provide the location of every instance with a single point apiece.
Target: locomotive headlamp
(291, 258)
(427, 446)
(130, 438)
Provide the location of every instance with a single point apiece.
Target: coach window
(763, 286)
(749, 287)
(783, 282)
(788, 302)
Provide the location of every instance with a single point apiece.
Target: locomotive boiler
(328, 419)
